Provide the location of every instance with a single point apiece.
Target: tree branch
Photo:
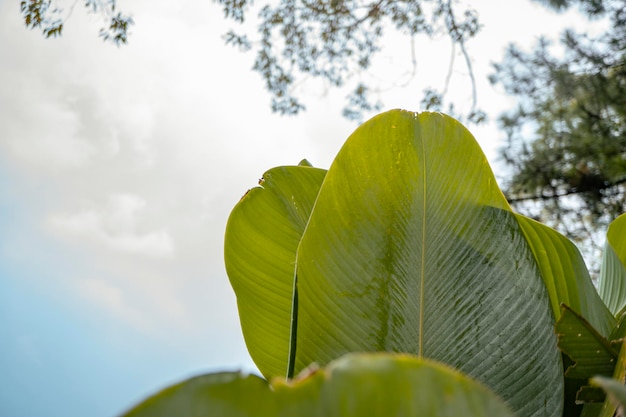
(571, 191)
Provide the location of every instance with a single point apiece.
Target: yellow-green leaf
(359, 385)
(262, 235)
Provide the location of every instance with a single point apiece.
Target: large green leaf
(565, 275)
(612, 282)
(359, 385)
(411, 230)
(262, 236)
(412, 247)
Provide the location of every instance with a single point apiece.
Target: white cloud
(116, 226)
(46, 136)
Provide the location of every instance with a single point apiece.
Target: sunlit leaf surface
(262, 236)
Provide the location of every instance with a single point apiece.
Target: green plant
(407, 246)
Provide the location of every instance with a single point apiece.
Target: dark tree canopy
(566, 140)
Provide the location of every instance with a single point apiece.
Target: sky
(119, 168)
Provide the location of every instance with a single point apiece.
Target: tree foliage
(293, 40)
(50, 18)
(566, 139)
(335, 40)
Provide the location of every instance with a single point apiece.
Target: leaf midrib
(422, 269)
